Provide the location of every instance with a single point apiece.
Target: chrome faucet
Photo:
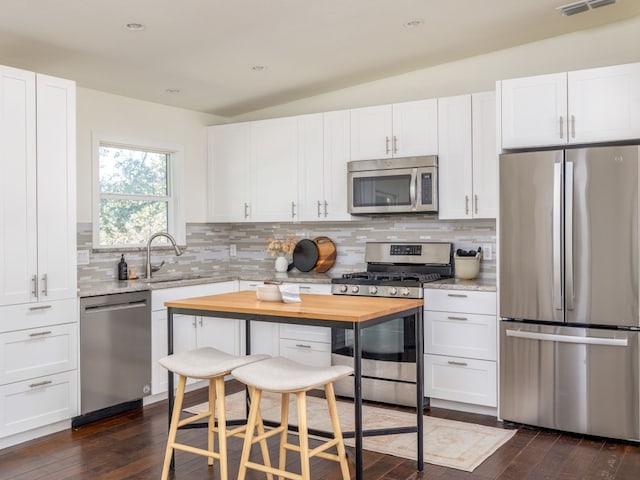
(155, 268)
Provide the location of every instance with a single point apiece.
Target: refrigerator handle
(554, 337)
(557, 236)
(568, 219)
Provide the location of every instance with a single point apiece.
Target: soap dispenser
(123, 272)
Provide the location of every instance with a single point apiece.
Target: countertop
(312, 306)
(457, 284)
(174, 280)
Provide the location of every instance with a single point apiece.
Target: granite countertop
(477, 284)
(175, 280)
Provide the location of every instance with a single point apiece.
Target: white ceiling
(207, 48)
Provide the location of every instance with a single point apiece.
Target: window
(136, 193)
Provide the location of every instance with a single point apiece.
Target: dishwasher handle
(553, 337)
(115, 306)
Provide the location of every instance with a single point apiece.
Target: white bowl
(269, 293)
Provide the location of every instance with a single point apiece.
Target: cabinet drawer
(34, 315)
(36, 352)
(308, 353)
(305, 333)
(469, 301)
(460, 380)
(460, 334)
(158, 297)
(38, 402)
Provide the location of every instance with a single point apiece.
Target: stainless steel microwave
(394, 185)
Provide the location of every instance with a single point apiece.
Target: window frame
(175, 207)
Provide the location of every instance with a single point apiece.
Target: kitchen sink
(173, 278)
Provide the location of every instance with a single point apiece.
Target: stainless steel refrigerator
(568, 281)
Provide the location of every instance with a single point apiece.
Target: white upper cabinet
(274, 170)
(604, 104)
(467, 158)
(534, 111)
(322, 162)
(455, 157)
(38, 184)
(584, 106)
(485, 155)
(399, 130)
(229, 155)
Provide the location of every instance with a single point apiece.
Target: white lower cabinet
(302, 343)
(189, 331)
(463, 380)
(38, 365)
(460, 344)
(37, 402)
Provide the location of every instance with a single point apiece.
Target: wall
(608, 45)
(129, 118)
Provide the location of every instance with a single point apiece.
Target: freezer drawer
(571, 379)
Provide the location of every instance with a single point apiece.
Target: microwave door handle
(413, 188)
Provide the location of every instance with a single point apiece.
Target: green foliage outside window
(134, 195)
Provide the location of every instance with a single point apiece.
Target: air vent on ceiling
(583, 6)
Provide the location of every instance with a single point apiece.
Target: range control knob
(343, 289)
(393, 291)
(406, 291)
(355, 289)
(373, 290)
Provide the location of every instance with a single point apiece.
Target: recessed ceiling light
(259, 68)
(413, 23)
(172, 90)
(134, 27)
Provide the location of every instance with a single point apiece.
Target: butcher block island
(345, 312)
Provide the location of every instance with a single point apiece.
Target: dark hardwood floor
(131, 446)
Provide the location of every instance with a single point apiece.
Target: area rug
(447, 443)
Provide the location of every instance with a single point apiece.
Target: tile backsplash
(208, 245)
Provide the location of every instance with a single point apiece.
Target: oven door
(388, 361)
(392, 341)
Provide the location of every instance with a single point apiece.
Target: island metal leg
(419, 328)
(170, 396)
(357, 398)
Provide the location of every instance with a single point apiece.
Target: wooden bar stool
(211, 364)
(284, 376)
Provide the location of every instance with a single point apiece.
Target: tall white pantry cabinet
(38, 279)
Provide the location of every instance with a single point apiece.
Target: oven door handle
(413, 188)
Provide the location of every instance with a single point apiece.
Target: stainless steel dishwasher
(115, 354)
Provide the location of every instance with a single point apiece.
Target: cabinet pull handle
(561, 127)
(34, 286)
(325, 208)
(386, 145)
(573, 126)
(457, 295)
(395, 144)
(40, 384)
(466, 204)
(459, 364)
(458, 318)
(201, 322)
(40, 307)
(302, 287)
(475, 200)
(40, 334)
(44, 285)
(246, 210)
(319, 205)
(300, 345)
(293, 209)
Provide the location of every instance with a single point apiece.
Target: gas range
(397, 270)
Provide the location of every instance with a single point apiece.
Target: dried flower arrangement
(275, 246)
